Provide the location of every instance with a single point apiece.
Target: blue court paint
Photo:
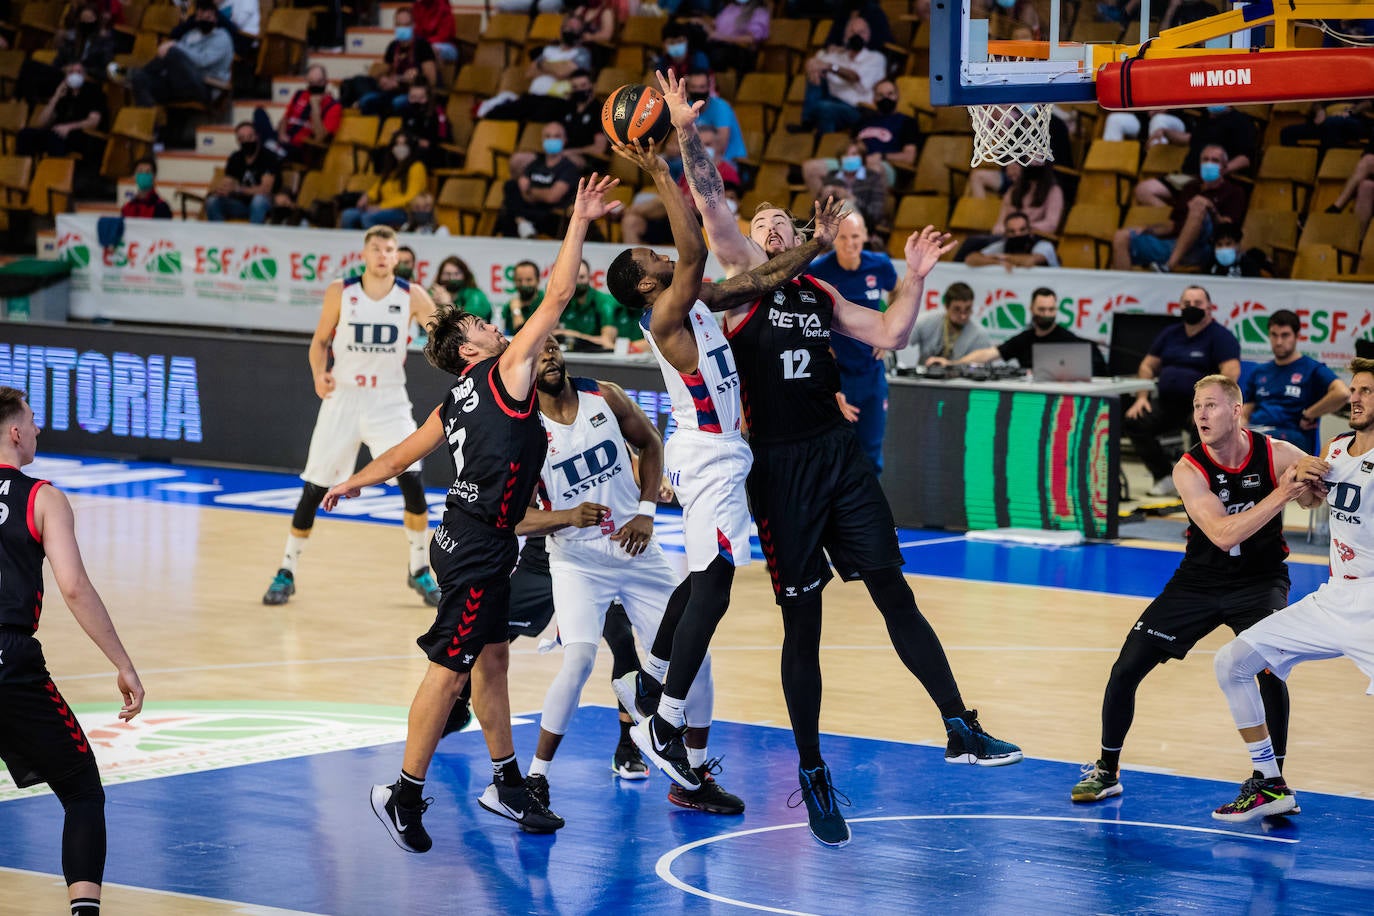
(928, 837)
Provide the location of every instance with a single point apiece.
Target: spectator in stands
(871, 12)
(1359, 187)
(251, 174)
(985, 182)
(230, 17)
(839, 79)
(589, 320)
(312, 116)
(405, 262)
(1228, 260)
(1179, 356)
(427, 122)
(679, 55)
(401, 176)
(887, 134)
(246, 15)
(734, 36)
(434, 23)
(527, 297)
(1127, 125)
(455, 285)
(1044, 328)
(1347, 126)
(407, 58)
(534, 201)
(146, 204)
(553, 67)
(1219, 125)
(86, 40)
(1019, 246)
(868, 188)
(524, 6)
(181, 69)
(948, 334)
(66, 124)
(420, 217)
(599, 20)
(580, 113)
(1034, 192)
(717, 113)
(285, 211)
(1287, 396)
(1186, 239)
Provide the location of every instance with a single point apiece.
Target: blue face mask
(404, 33)
(1209, 171)
(851, 163)
(553, 145)
(1006, 4)
(1225, 256)
(676, 49)
(1216, 109)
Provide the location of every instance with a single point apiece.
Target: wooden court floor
(184, 585)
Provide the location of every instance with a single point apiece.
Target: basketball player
(812, 489)
(488, 423)
(1234, 484)
(40, 739)
(1337, 619)
(707, 458)
(365, 325)
(600, 527)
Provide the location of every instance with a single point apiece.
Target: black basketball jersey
(497, 447)
(1238, 489)
(21, 551)
(788, 375)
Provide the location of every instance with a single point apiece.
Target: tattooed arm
(746, 288)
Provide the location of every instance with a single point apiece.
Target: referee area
(242, 786)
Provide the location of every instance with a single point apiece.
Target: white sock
(540, 767)
(419, 549)
(1262, 756)
(673, 711)
(696, 756)
(656, 668)
(294, 545)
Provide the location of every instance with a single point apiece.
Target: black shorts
(472, 564)
(815, 497)
(1189, 608)
(40, 739)
(531, 592)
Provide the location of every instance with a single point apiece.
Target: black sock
(85, 906)
(625, 733)
(1111, 760)
(507, 772)
(410, 791)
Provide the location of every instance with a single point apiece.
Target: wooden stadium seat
(160, 19)
(1316, 262)
(787, 46)
(14, 117)
(1109, 171)
(1337, 165)
(1286, 177)
(460, 204)
(1095, 223)
(508, 30)
(1139, 216)
(130, 139)
(283, 46)
(1163, 159)
(766, 91)
(488, 152)
(975, 215)
(942, 166)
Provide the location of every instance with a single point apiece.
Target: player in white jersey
(365, 326)
(1337, 619)
(600, 526)
(707, 458)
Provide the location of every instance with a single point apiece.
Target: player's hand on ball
(635, 535)
(336, 493)
(828, 218)
(683, 112)
(643, 154)
(924, 249)
(591, 200)
(587, 515)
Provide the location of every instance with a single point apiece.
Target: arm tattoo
(701, 171)
(765, 278)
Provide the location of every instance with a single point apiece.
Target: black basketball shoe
(520, 804)
(710, 798)
(403, 824)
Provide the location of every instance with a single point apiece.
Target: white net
(1003, 134)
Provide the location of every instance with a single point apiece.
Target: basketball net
(1003, 134)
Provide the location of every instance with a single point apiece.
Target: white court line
(247, 909)
(665, 862)
(949, 540)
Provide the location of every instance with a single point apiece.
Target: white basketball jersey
(1351, 500)
(371, 337)
(708, 399)
(588, 461)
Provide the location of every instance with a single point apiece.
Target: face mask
(1043, 322)
(1019, 244)
(526, 292)
(855, 43)
(1209, 171)
(84, 28)
(694, 97)
(1225, 256)
(1216, 109)
(403, 271)
(249, 149)
(315, 88)
(206, 26)
(581, 96)
(144, 181)
(1193, 315)
(404, 33)
(1007, 4)
(401, 152)
(553, 145)
(76, 80)
(421, 217)
(710, 152)
(416, 109)
(851, 163)
(677, 49)
(581, 289)
(885, 105)
(733, 205)
(570, 38)
(453, 286)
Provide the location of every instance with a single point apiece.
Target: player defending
(41, 740)
(490, 427)
(365, 324)
(1234, 484)
(707, 458)
(1337, 619)
(812, 489)
(600, 524)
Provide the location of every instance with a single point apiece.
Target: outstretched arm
(391, 462)
(892, 329)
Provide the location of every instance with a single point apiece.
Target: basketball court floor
(242, 787)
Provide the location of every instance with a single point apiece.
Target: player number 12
(795, 363)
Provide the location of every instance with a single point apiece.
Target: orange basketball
(635, 113)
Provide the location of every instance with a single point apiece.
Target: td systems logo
(125, 394)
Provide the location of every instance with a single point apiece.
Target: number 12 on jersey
(795, 363)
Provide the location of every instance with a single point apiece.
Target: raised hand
(643, 154)
(828, 218)
(591, 200)
(683, 112)
(924, 249)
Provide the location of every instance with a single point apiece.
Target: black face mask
(316, 88)
(695, 97)
(453, 286)
(206, 26)
(581, 289)
(1020, 244)
(85, 29)
(1043, 322)
(526, 292)
(416, 109)
(1193, 315)
(855, 43)
(403, 271)
(570, 38)
(249, 149)
(885, 105)
(581, 96)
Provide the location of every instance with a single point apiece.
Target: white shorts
(589, 573)
(379, 418)
(708, 471)
(1337, 619)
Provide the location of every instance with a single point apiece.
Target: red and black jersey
(21, 551)
(497, 446)
(788, 374)
(1238, 489)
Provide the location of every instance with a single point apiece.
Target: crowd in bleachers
(479, 123)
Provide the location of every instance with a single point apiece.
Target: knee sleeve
(1236, 666)
(701, 699)
(83, 828)
(566, 690)
(311, 496)
(413, 492)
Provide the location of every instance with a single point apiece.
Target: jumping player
(493, 434)
(707, 458)
(365, 325)
(600, 526)
(1337, 619)
(812, 489)
(40, 739)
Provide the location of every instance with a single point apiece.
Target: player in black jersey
(812, 489)
(1234, 484)
(490, 427)
(40, 739)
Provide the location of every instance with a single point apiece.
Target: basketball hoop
(1003, 134)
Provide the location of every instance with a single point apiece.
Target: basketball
(635, 113)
